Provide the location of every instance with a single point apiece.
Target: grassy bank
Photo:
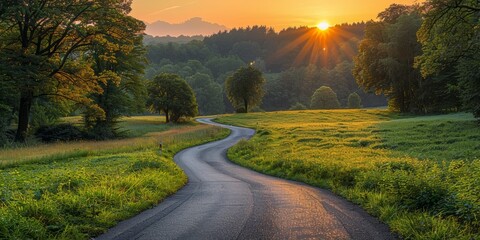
(420, 175)
(79, 190)
(143, 131)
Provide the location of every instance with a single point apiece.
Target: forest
(93, 60)
(295, 62)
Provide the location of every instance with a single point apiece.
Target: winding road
(226, 201)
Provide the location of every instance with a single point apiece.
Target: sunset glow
(323, 26)
(278, 14)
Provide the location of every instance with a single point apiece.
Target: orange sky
(276, 13)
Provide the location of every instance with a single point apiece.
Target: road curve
(226, 201)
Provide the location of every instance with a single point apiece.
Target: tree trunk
(26, 100)
(167, 118)
(246, 105)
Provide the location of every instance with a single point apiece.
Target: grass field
(78, 190)
(420, 175)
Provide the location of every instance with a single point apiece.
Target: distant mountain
(192, 27)
(151, 40)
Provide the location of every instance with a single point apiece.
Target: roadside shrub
(60, 132)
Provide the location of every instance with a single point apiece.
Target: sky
(272, 13)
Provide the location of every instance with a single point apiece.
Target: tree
(120, 61)
(208, 93)
(354, 101)
(170, 94)
(324, 98)
(43, 43)
(451, 47)
(245, 88)
(384, 63)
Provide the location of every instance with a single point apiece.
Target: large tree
(245, 87)
(171, 95)
(384, 63)
(44, 43)
(450, 37)
(120, 61)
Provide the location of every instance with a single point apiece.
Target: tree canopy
(245, 88)
(171, 95)
(354, 101)
(324, 98)
(44, 46)
(450, 37)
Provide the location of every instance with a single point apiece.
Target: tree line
(424, 58)
(293, 67)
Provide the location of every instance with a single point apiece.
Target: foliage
(81, 196)
(354, 101)
(384, 63)
(170, 94)
(245, 88)
(417, 174)
(208, 93)
(324, 98)
(292, 76)
(7, 107)
(60, 132)
(450, 43)
(119, 61)
(298, 106)
(43, 44)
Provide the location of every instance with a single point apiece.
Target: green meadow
(420, 175)
(77, 190)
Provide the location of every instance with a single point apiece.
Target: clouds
(164, 10)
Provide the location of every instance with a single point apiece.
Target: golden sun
(323, 26)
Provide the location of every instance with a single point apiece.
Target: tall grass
(147, 131)
(418, 174)
(79, 190)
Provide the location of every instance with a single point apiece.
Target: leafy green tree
(43, 43)
(171, 95)
(354, 101)
(324, 98)
(208, 93)
(451, 48)
(119, 62)
(384, 63)
(245, 88)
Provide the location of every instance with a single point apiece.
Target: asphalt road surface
(226, 201)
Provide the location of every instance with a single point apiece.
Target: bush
(354, 101)
(102, 131)
(324, 98)
(60, 132)
(298, 106)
